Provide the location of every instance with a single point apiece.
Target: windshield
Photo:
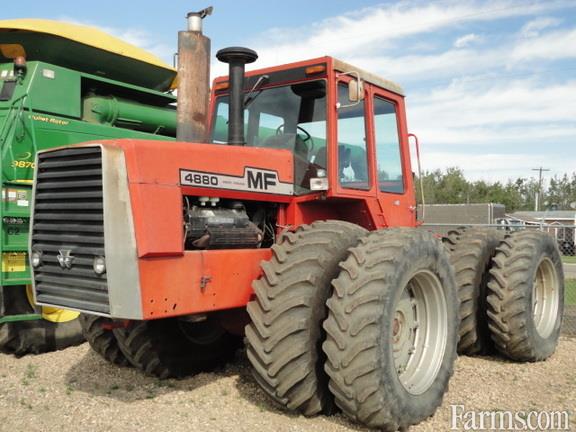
(291, 117)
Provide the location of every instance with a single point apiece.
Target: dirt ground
(75, 389)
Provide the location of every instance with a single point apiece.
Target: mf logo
(260, 180)
(65, 259)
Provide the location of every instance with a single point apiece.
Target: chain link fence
(565, 236)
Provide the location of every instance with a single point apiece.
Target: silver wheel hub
(545, 298)
(420, 332)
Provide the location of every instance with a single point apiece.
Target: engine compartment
(214, 223)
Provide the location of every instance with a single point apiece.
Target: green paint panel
(54, 89)
(44, 111)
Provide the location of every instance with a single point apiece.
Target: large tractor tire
(392, 329)
(102, 339)
(284, 338)
(526, 296)
(174, 348)
(471, 251)
(56, 330)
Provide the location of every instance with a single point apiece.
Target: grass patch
(165, 384)
(570, 294)
(112, 388)
(26, 404)
(569, 259)
(29, 374)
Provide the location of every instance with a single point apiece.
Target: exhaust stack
(193, 79)
(237, 58)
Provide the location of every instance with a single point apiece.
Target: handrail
(420, 179)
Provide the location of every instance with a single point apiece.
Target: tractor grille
(69, 222)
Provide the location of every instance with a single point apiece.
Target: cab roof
(343, 67)
(336, 64)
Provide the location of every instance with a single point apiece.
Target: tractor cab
(345, 128)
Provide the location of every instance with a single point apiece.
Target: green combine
(62, 84)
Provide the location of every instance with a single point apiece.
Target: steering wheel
(307, 136)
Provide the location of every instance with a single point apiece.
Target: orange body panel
(159, 205)
(198, 281)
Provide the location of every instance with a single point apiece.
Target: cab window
(388, 156)
(288, 117)
(352, 154)
(291, 117)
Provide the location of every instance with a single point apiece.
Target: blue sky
(490, 84)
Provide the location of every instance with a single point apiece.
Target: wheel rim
(420, 332)
(545, 298)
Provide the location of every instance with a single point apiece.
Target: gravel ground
(75, 389)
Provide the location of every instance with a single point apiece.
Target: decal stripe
(253, 180)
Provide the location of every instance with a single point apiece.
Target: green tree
(451, 187)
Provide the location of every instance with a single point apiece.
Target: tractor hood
(121, 204)
(209, 169)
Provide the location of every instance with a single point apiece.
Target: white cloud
(466, 40)
(551, 46)
(496, 131)
(371, 30)
(486, 104)
(534, 27)
(135, 36)
(374, 38)
(442, 65)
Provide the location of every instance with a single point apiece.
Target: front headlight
(99, 265)
(36, 258)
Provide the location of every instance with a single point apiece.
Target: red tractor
(291, 220)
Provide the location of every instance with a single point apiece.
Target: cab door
(389, 139)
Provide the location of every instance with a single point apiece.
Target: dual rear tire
(511, 288)
(356, 342)
(284, 338)
(526, 296)
(392, 329)
(471, 251)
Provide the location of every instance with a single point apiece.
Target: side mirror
(356, 90)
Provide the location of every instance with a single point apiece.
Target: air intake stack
(237, 58)
(193, 79)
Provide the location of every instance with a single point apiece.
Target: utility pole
(539, 191)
